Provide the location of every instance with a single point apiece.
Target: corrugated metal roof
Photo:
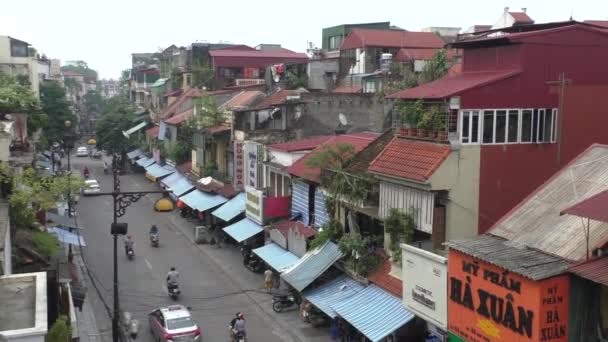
(61, 220)
(155, 170)
(181, 117)
(202, 201)
(521, 18)
(243, 230)
(300, 145)
(312, 265)
(242, 100)
(277, 257)
(171, 179)
(361, 38)
(145, 162)
(298, 226)
(524, 261)
(135, 153)
(374, 312)
(153, 132)
(232, 208)
(536, 222)
(382, 277)
(595, 270)
(409, 54)
(593, 208)
(331, 293)
(453, 85)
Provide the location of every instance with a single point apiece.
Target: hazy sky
(105, 33)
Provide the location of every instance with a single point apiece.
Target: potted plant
(411, 114)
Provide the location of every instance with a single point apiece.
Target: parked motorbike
(154, 240)
(280, 302)
(255, 265)
(173, 291)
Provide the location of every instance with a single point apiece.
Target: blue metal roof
(312, 265)
(202, 201)
(243, 230)
(374, 312)
(145, 162)
(155, 170)
(171, 179)
(67, 237)
(135, 153)
(276, 257)
(181, 186)
(333, 292)
(232, 208)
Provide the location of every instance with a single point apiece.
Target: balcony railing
(249, 81)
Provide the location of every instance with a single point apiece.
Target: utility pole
(562, 82)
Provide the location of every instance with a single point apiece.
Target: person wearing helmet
(153, 230)
(129, 243)
(239, 326)
(172, 278)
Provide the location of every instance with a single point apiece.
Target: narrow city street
(206, 288)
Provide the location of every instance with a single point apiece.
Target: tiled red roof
(218, 129)
(455, 69)
(255, 58)
(593, 208)
(301, 145)
(521, 18)
(481, 28)
(452, 85)
(174, 93)
(275, 99)
(358, 140)
(595, 270)
(382, 278)
(408, 54)
(410, 159)
(191, 92)
(179, 118)
(301, 228)
(348, 89)
(243, 99)
(360, 38)
(152, 132)
(602, 23)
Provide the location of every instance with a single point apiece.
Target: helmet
(172, 268)
(129, 237)
(241, 316)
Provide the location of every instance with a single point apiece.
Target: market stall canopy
(276, 257)
(67, 237)
(181, 187)
(145, 162)
(60, 220)
(157, 171)
(171, 179)
(333, 292)
(232, 208)
(201, 201)
(134, 154)
(312, 265)
(243, 230)
(374, 312)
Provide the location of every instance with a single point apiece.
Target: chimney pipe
(506, 9)
(523, 9)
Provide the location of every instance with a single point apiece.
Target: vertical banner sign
(252, 164)
(239, 165)
(487, 303)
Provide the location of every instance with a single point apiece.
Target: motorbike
(154, 240)
(173, 291)
(236, 336)
(130, 253)
(283, 301)
(106, 171)
(255, 265)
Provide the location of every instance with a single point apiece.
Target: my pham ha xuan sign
(487, 303)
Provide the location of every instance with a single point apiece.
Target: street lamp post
(122, 200)
(68, 144)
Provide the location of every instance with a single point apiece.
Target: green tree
(15, 97)
(202, 75)
(400, 227)
(60, 331)
(117, 116)
(57, 109)
(436, 68)
(81, 67)
(93, 102)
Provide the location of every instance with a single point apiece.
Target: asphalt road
(214, 299)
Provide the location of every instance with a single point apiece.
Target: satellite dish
(342, 119)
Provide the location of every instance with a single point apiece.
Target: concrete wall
(459, 175)
(296, 243)
(316, 71)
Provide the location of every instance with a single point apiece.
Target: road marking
(148, 263)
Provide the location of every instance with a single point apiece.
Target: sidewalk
(229, 259)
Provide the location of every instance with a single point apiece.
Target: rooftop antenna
(571, 12)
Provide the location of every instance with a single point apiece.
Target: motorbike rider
(129, 244)
(239, 325)
(232, 322)
(85, 171)
(105, 167)
(153, 230)
(172, 278)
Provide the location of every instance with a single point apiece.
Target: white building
(23, 313)
(16, 58)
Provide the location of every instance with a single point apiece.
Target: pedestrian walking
(268, 279)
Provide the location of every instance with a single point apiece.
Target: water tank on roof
(386, 60)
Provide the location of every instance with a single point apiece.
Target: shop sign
(254, 205)
(239, 165)
(251, 151)
(487, 303)
(425, 285)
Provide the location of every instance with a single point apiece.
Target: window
(370, 86)
(18, 49)
(546, 125)
(526, 126)
(180, 323)
(335, 42)
(513, 126)
(272, 184)
(470, 127)
(488, 127)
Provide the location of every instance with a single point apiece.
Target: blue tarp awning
(333, 292)
(232, 208)
(171, 179)
(276, 257)
(181, 187)
(67, 237)
(60, 220)
(145, 162)
(156, 171)
(374, 312)
(312, 265)
(202, 201)
(135, 153)
(243, 230)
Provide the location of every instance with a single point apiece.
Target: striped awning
(333, 292)
(145, 162)
(202, 201)
(312, 265)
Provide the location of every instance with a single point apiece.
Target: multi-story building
(18, 58)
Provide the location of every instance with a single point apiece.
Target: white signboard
(254, 205)
(425, 285)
